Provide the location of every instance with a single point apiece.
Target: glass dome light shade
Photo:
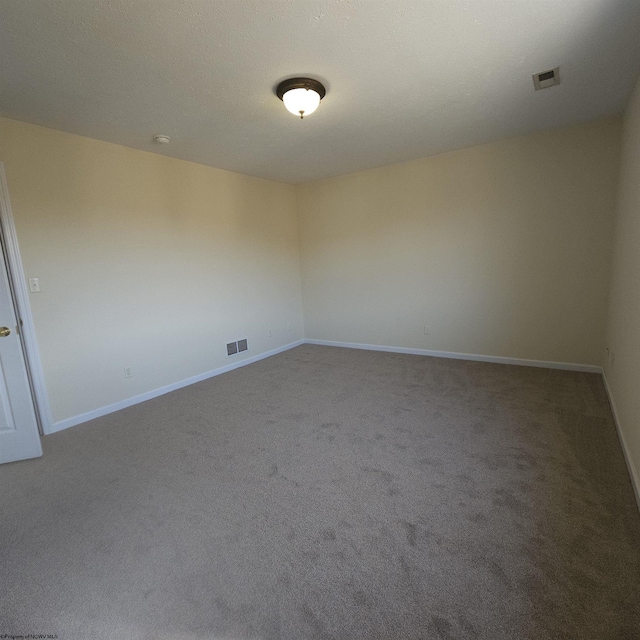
(301, 102)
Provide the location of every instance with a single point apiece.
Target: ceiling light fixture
(301, 96)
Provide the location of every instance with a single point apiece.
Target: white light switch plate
(34, 285)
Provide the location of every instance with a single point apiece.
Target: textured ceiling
(404, 78)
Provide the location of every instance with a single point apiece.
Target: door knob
(4, 332)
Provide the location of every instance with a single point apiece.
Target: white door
(19, 437)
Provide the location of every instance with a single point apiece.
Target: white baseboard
(633, 472)
(588, 368)
(123, 404)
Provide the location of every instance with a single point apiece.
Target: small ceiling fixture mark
(161, 139)
(546, 79)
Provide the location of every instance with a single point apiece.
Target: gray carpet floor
(331, 493)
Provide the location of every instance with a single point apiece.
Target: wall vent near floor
(237, 346)
(546, 79)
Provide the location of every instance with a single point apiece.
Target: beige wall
(623, 334)
(504, 249)
(153, 263)
(146, 262)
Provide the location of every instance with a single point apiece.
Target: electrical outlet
(289, 326)
(34, 285)
(427, 329)
(127, 372)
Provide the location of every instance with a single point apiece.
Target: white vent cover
(237, 346)
(546, 79)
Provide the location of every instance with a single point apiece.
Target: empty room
(320, 319)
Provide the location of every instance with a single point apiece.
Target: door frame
(20, 294)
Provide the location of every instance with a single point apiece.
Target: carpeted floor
(331, 494)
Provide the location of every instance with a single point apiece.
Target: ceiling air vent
(546, 79)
